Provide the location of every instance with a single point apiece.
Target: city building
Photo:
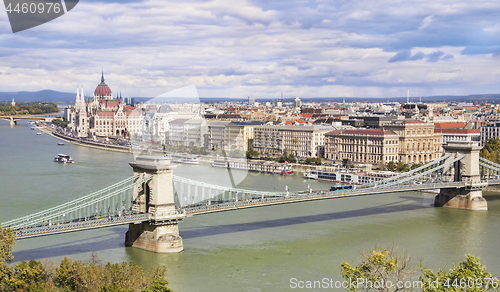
(240, 135)
(457, 132)
(103, 116)
(302, 141)
(490, 130)
(417, 141)
(374, 146)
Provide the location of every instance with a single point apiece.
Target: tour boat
(183, 158)
(287, 170)
(63, 158)
(353, 176)
(60, 143)
(39, 133)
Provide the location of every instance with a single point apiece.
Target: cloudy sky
(236, 48)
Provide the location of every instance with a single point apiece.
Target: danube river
(257, 249)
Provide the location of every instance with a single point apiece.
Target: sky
(241, 48)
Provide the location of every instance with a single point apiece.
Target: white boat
(63, 158)
(183, 158)
(348, 176)
(39, 133)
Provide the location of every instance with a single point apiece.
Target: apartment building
(375, 146)
(302, 141)
(490, 130)
(240, 135)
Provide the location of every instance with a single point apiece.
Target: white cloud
(426, 22)
(234, 48)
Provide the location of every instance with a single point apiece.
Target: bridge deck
(79, 226)
(294, 198)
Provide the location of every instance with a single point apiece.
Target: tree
(377, 267)
(458, 278)
(391, 166)
(416, 165)
(252, 153)
(390, 270)
(7, 242)
(402, 167)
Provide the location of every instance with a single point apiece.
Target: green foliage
(60, 123)
(456, 278)
(287, 157)
(491, 150)
(402, 167)
(392, 266)
(391, 166)
(23, 108)
(7, 241)
(416, 165)
(386, 265)
(73, 275)
(252, 154)
(313, 160)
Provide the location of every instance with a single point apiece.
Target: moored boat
(183, 158)
(287, 169)
(348, 175)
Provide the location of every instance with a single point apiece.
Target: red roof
(449, 125)
(105, 114)
(413, 122)
(458, 131)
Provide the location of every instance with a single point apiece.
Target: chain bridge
(153, 201)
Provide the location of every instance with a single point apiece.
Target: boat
(32, 128)
(39, 133)
(352, 176)
(60, 143)
(249, 165)
(287, 169)
(183, 158)
(63, 158)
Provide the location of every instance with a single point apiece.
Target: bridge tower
(12, 121)
(155, 197)
(466, 170)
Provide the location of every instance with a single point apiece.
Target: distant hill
(44, 95)
(56, 96)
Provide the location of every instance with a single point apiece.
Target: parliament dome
(102, 89)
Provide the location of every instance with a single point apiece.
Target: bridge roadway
(161, 219)
(42, 117)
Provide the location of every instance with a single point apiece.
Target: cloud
(434, 57)
(426, 22)
(406, 56)
(259, 47)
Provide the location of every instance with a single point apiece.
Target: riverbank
(108, 147)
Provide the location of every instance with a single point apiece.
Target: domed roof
(102, 89)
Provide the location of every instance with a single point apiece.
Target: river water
(257, 249)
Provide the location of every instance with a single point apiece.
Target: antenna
(408, 97)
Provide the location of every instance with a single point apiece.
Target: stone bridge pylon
(465, 170)
(155, 197)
